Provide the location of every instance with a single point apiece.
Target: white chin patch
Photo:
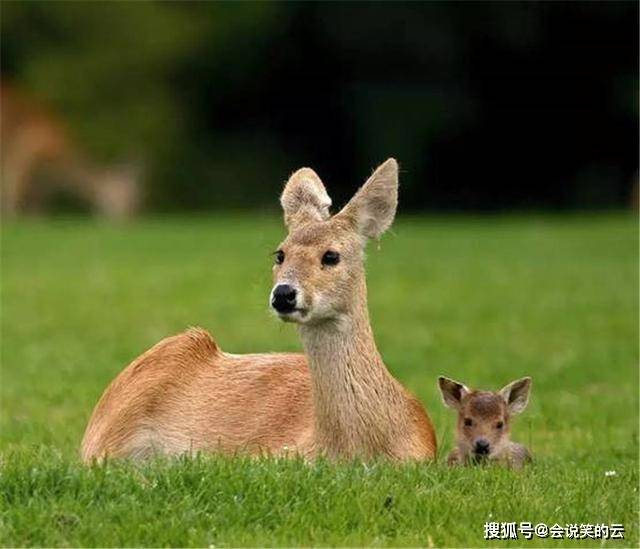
(295, 316)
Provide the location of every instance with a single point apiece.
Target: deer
(483, 427)
(39, 159)
(337, 400)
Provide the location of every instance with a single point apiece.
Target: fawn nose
(283, 298)
(481, 447)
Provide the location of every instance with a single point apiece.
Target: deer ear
(452, 392)
(516, 395)
(304, 199)
(373, 207)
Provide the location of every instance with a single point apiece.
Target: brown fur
(489, 415)
(186, 394)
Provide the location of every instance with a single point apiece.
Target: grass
(483, 300)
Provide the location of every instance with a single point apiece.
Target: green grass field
(483, 300)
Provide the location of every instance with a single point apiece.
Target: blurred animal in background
(482, 432)
(40, 163)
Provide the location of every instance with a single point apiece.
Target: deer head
(319, 271)
(484, 416)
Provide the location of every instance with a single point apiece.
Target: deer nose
(283, 298)
(482, 447)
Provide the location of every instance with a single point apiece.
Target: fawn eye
(468, 421)
(330, 258)
(499, 425)
(279, 257)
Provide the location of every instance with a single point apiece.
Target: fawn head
(319, 272)
(117, 191)
(483, 416)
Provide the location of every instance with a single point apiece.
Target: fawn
(483, 422)
(338, 399)
(40, 159)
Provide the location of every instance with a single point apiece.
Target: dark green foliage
(486, 105)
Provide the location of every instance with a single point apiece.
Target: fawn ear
(452, 392)
(304, 199)
(373, 207)
(516, 395)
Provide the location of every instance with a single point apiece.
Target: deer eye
(279, 257)
(468, 421)
(330, 258)
(499, 425)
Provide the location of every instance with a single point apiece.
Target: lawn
(482, 300)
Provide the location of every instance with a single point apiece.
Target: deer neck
(360, 409)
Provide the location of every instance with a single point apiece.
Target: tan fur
(39, 158)
(185, 394)
(489, 415)
(304, 198)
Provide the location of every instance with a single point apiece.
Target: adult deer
(339, 400)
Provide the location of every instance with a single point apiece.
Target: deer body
(185, 394)
(338, 399)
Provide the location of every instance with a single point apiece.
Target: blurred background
(119, 108)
